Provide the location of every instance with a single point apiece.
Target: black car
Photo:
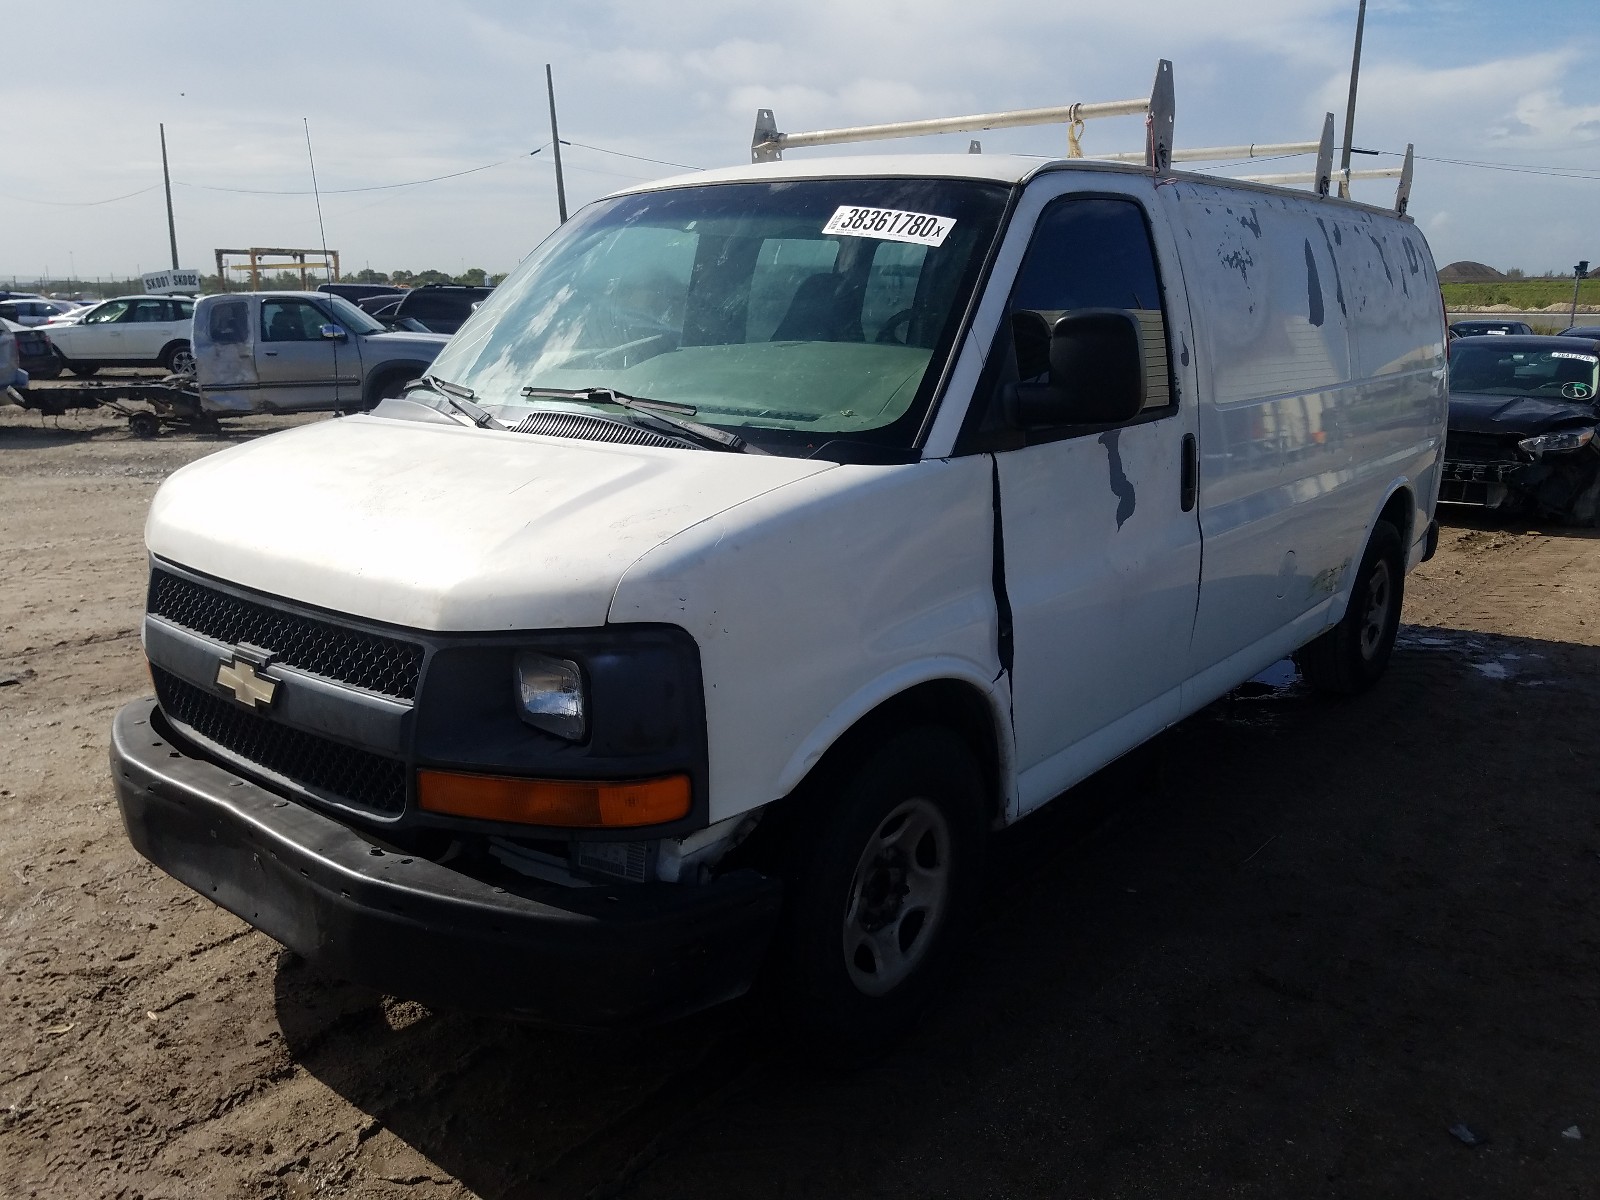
(357, 292)
(1584, 331)
(439, 307)
(1479, 328)
(1522, 430)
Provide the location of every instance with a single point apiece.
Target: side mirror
(334, 333)
(1096, 368)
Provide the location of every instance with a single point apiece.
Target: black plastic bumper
(595, 956)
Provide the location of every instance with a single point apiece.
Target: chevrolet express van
(763, 543)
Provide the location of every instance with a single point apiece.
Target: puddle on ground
(1482, 654)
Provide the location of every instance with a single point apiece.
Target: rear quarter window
(229, 322)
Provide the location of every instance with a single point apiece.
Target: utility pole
(1350, 109)
(555, 138)
(166, 179)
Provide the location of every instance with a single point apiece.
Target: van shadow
(1256, 951)
(1487, 520)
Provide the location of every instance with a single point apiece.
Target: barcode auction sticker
(890, 225)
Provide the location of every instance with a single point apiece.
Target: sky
(397, 91)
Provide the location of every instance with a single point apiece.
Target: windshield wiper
(658, 412)
(460, 399)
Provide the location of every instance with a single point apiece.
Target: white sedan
(130, 331)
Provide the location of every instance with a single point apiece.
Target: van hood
(445, 528)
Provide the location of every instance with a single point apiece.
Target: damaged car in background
(1523, 418)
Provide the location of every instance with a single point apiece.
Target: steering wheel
(886, 335)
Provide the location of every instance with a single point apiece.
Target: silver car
(300, 352)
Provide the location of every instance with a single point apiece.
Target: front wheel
(1351, 657)
(878, 906)
(83, 370)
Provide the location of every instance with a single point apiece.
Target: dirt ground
(1278, 952)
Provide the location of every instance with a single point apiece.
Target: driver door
(299, 369)
(1100, 538)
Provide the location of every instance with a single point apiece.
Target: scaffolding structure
(267, 258)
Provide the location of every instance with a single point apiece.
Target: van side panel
(1321, 391)
(818, 601)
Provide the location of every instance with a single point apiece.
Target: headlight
(1569, 439)
(550, 695)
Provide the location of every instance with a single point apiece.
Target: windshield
(351, 317)
(1510, 371)
(796, 312)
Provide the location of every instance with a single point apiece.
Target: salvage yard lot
(1279, 951)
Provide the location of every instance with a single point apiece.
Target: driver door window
(291, 321)
(1086, 253)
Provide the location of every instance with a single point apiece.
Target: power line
(80, 203)
(637, 157)
(375, 187)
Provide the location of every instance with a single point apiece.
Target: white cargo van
(767, 539)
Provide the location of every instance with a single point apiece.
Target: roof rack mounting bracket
(1402, 196)
(1161, 118)
(1325, 157)
(766, 144)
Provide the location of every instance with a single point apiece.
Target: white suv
(129, 331)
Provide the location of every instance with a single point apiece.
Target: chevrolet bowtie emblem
(247, 685)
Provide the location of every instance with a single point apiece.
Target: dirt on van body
(1283, 950)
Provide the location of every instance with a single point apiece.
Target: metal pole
(166, 179)
(1355, 71)
(555, 138)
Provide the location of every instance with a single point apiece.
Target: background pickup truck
(300, 352)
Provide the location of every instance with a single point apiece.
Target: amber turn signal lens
(579, 804)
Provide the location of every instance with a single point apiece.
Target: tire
(1351, 657)
(879, 901)
(386, 387)
(82, 370)
(144, 425)
(178, 358)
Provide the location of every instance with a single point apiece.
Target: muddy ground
(1279, 952)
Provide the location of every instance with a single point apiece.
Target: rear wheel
(81, 369)
(178, 358)
(879, 904)
(1352, 656)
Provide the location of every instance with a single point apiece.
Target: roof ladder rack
(768, 144)
(1402, 196)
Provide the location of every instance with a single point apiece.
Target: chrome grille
(370, 661)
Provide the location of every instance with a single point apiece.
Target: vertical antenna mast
(327, 263)
(1350, 109)
(166, 179)
(555, 139)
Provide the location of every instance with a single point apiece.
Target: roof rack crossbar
(768, 144)
(1310, 176)
(1214, 153)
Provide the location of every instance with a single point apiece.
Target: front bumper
(590, 956)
